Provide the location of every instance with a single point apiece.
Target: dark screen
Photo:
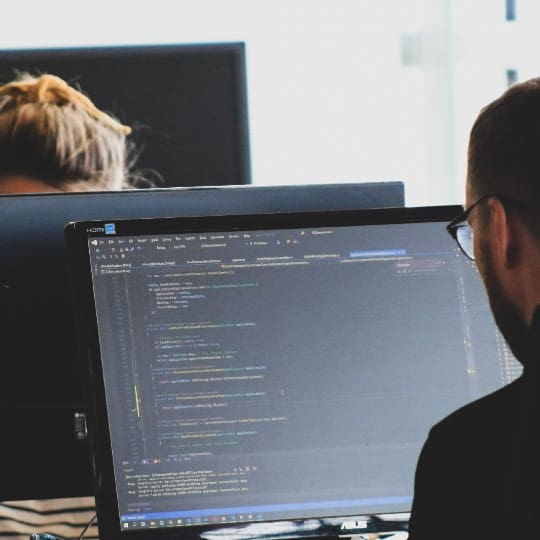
(187, 104)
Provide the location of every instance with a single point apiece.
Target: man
(478, 473)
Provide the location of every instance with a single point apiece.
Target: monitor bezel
(77, 235)
(71, 63)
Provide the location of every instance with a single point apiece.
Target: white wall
(339, 90)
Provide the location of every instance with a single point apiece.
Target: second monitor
(40, 389)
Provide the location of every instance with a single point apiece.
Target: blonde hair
(52, 132)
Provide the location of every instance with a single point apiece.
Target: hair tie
(52, 89)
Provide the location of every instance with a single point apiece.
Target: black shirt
(478, 473)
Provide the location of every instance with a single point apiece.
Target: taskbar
(265, 513)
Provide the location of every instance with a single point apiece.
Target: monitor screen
(256, 370)
(40, 390)
(187, 104)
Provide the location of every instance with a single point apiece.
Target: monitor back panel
(40, 388)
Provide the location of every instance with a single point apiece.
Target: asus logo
(350, 525)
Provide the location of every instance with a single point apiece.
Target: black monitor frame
(187, 103)
(78, 235)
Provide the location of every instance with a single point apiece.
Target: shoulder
(470, 437)
(496, 410)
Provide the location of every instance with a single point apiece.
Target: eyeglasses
(463, 233)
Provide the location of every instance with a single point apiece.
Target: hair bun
(54, 90)
(45, 89)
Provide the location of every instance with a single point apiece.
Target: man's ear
(505, 234)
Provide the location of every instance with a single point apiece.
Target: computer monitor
(40, 389)
(252, 370)
(187, 104)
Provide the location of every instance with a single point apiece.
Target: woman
(53, 138)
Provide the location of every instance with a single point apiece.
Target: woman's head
(52, 135)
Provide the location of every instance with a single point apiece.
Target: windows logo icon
(110, 228)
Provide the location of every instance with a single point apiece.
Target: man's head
(504, 150)
(504, 161)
